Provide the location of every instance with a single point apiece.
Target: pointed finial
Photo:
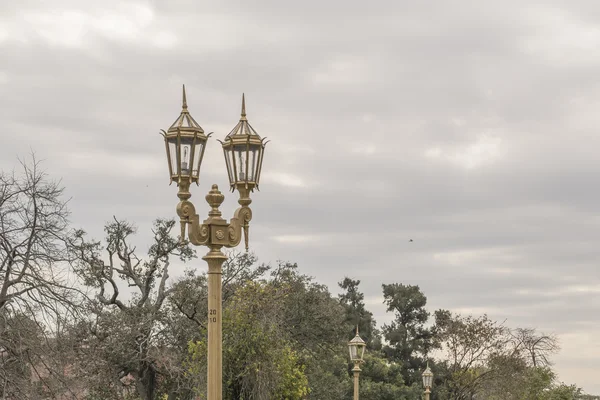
(184, 99)
(243, 107)
(357, 330)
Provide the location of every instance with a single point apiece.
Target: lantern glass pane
(173, 155)
(362, 352)
(240, 155)
(353, 352)
(252, 164)
(427, 379)
(260, 155)
(197, 158)
(228, 161)
(186, 155)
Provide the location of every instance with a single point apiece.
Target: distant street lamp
(357, 352)
(427, 381)
(185, 142)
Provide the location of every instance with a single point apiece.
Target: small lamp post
(427, 381)
(357, 351)
(185, 142)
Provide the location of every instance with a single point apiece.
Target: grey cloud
(471, 129)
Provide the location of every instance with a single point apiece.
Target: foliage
(477, 349)
(485, 359)
(533, 383)
(409, 339)
(36, 297)
(257, 362)
(381, 379)
(276, 330)
(536, 347)
(142, 336)
(357, 315)
(127, 342)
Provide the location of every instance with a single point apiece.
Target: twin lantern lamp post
(185, 142)
(243, 148)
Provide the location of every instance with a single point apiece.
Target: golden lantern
(185, 143)
(243, 149)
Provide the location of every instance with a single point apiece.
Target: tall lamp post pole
(357, 351)
(185, 142)
(427, 381)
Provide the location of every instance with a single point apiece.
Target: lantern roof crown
(357, 340)
(243, 127)
(427, 371)
(185, 122)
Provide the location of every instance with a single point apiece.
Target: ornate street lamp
(427, 381)
(357, 351)
(185, 142)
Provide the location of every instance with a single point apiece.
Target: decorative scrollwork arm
(214, 231)
(197, 233)
(238, 224)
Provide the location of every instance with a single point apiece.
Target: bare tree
(33, 234)
(473, 346)
(128, 330)
(537, 346)
(35, 291)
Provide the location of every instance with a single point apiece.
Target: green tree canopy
(409, 338)
(352, 299)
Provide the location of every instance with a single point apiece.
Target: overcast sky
(469, 127)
